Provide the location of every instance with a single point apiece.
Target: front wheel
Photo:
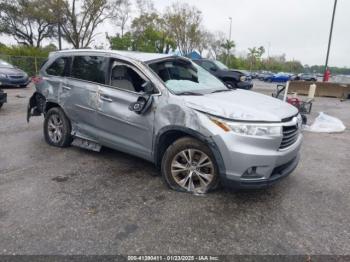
(57, 128)
(232, 84)
(188, 165)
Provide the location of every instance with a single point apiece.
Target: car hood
(11, 71)
(242, 105)
(234, 71)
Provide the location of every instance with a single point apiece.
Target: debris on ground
(326, 124)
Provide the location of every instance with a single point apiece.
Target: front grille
(288, 119)
(16, 76)
(290, 136)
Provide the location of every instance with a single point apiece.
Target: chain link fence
(29, 64)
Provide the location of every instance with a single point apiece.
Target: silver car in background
(169, 111)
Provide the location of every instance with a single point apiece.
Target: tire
(304, 119)
(57, 128)
(233, 84)
(177, 169)
(23, 86)
(1, 104)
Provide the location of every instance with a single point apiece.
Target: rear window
(89, 68)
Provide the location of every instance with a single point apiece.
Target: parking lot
(73, 201)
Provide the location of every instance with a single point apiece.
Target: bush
(29, 59)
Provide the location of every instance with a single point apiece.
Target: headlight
(243, 78)
(249, 129)
(300, 121)
(3, 76)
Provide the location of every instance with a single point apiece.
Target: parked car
(234, 78)
(248, 75)
(278, 78)
(170, 111)
(3, 98)
(255, 75)
(262, 75)
(12, 76)
(307, 77)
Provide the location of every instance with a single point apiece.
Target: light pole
(229, 41)
(230, 34)
(330, 41)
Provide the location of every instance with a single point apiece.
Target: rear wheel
(57, 128)
(1, 104)
(189, 166)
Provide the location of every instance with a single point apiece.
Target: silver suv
(169, 111)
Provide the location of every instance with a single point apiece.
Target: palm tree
(228, 45)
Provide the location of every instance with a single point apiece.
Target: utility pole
(330, 39)
(59, 36)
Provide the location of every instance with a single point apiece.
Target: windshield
(220, 65)
(4, 64)
(181, 76)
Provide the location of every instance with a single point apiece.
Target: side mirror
(148, 87)
(213, 69)
(142, 104)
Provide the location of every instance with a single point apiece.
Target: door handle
(105, 98)
(66, 88)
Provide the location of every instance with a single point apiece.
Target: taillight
(37, 79)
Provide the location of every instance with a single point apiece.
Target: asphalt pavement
(73, 201)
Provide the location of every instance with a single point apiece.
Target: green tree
(123, 14)
(228, 45)
(151, 34)
(255, 57)
(119, 42)
(148, 34)
(184, 22)
(29, 22)
(215, 44)
(79, 19)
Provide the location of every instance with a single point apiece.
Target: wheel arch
(51, 104)
(168, 135)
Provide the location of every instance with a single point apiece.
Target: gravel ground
(72, 201)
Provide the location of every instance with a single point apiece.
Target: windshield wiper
(188, 93)
(221, 90)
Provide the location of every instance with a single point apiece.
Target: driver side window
(208, 65)
(126, 78)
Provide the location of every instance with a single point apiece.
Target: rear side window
(59, 67)
(89, 68)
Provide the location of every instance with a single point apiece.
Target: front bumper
(242, 153)
(3, 97)
(245, 85)
(14, 82)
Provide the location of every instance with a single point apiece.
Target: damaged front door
(119, 127)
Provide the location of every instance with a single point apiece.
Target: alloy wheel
(193, 170)
(55, 128)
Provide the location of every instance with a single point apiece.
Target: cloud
(297, 28)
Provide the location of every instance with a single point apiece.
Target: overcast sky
(298, 28)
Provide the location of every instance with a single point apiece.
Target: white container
(312, 91)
